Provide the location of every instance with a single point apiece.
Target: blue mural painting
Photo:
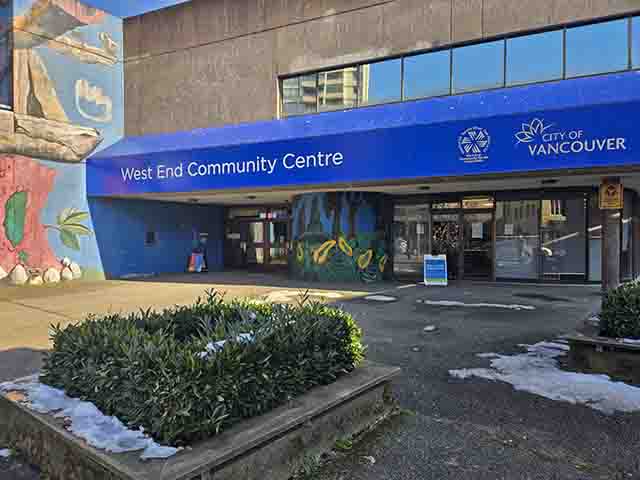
(340, 236)
(67, 99)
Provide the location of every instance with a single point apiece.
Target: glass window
(380, 82)
(595, 239)
(599, 48)
(477, 202)
(427, 75)
(626, 250)
(563, 242)
(534, 58)
(635, 42)
(256, 232)
(338, 89)
(517, 240)
(411, 238)
(478, 67)
(299, 95)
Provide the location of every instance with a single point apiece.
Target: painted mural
(66, 92)
(340, 236)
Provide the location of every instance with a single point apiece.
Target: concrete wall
(212, 62)
(177, 227)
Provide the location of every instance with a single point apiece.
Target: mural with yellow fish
(341, 236)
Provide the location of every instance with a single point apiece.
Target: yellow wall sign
(611, 195)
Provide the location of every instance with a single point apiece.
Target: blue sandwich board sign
(435, 270)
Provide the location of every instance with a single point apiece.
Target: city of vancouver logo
(546, 140)
(474, 144)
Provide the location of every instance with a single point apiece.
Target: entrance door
(478, 245)
(446, 239)
(255, 244)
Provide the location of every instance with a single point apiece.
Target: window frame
(504, 39)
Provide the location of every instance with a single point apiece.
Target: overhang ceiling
(265, 197)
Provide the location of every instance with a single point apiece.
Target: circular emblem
(474, 144)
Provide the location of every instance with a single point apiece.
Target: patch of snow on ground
(449, 303)
(381, 298)
(631, 341)
(537, 371)
(5, 453)
(87, 422)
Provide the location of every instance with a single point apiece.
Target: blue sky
(128, 8)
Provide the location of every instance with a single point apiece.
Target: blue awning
(416, 139)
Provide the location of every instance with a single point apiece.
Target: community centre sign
(586, 137)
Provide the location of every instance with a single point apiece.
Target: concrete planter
(272, 446)
(595, 354)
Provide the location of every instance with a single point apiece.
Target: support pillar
(610, 248)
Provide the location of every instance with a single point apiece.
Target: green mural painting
(340, 237)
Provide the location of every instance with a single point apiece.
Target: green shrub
(620, 315)
(148, 368)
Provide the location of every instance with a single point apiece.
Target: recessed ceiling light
(549, 181)
(251, 197)
(194, 200)
(424, 187)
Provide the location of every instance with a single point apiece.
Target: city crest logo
(474, 145)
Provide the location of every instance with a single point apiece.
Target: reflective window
(338, 89)
(380, 82)
(412, 238)
(599, 48)
(517, 241)
(534, 58)
(626, 249)
(478, 67)
(299, 95)
(427, 75)
(635, 42)
(595, 239)
(563, 241)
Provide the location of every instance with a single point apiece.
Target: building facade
(344, 140)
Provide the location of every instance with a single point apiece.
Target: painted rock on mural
(51, 276)
(67, 274)
(3, 274)
(18, 275)
(36, 280)
(75, 270)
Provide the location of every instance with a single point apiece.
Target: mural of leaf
(71, 216)
(14, 219)
(69, 239)
(75, 228)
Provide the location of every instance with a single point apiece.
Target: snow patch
(5, 453)
(631, 341)
(86, 421)
(450, 303)
(215, 347)
(381, 298)
(537, 371)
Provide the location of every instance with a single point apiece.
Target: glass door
(412, 236)
(446, 239)
(278, 241)
(478, 245)
(255, 244)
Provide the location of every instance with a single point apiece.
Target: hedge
(620, 314)
(164, 371)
